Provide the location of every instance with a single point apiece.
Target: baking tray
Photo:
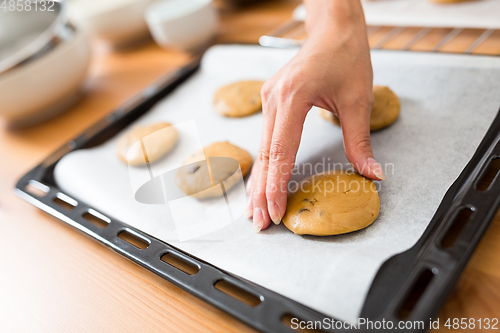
(409, 286)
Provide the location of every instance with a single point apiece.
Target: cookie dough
(239, 99)
(225, 163)
(156, 139)
(385, 110)
(332, 203)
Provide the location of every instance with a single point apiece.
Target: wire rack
(292, 33)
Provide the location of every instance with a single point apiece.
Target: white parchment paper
(469, 14)
(448, 103)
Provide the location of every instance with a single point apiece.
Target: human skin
(332, 71)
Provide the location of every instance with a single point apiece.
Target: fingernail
(376, 168)
(274, 212)
(258, 219)
(249, 209)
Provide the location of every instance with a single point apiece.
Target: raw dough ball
(224, 159)
(239, 99)
(329, 116)
(332, 203)
(129, 147)
(385, 109)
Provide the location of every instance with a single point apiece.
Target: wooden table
(55, 279)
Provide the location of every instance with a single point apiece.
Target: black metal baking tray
(410, 286)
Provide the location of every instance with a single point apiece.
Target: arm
(332, 71)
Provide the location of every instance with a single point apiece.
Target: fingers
(285, 143)
(282, 131)
(357, 144)
(257, 203)
(249, 207)
(257, 198)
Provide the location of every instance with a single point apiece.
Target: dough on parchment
(385, 110)
(332, 203)
(239, 99)
(225, 161)
(155, 138)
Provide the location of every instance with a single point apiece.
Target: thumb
(357, 144)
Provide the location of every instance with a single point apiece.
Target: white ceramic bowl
(182, 24)
(117, 22)
(43, 88)
(43, 63)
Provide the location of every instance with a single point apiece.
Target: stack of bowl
(43, 62)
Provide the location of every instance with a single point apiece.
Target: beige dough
(239, 99)
(194, 177)
(332, 203)
(385, 110)
(157, 141)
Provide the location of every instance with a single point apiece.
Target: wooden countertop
(55, 279)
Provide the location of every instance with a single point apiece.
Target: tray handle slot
(416, 292)
(456, 227)
(96, 218)
(179, 263)
(489, 175)
(65, 201)
(37, 189)
(237, 292)
(134, 239)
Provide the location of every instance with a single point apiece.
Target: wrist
(339, 18)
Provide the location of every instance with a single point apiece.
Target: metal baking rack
(409, 286)
(292, 33)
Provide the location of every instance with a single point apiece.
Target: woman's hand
(332, 71)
